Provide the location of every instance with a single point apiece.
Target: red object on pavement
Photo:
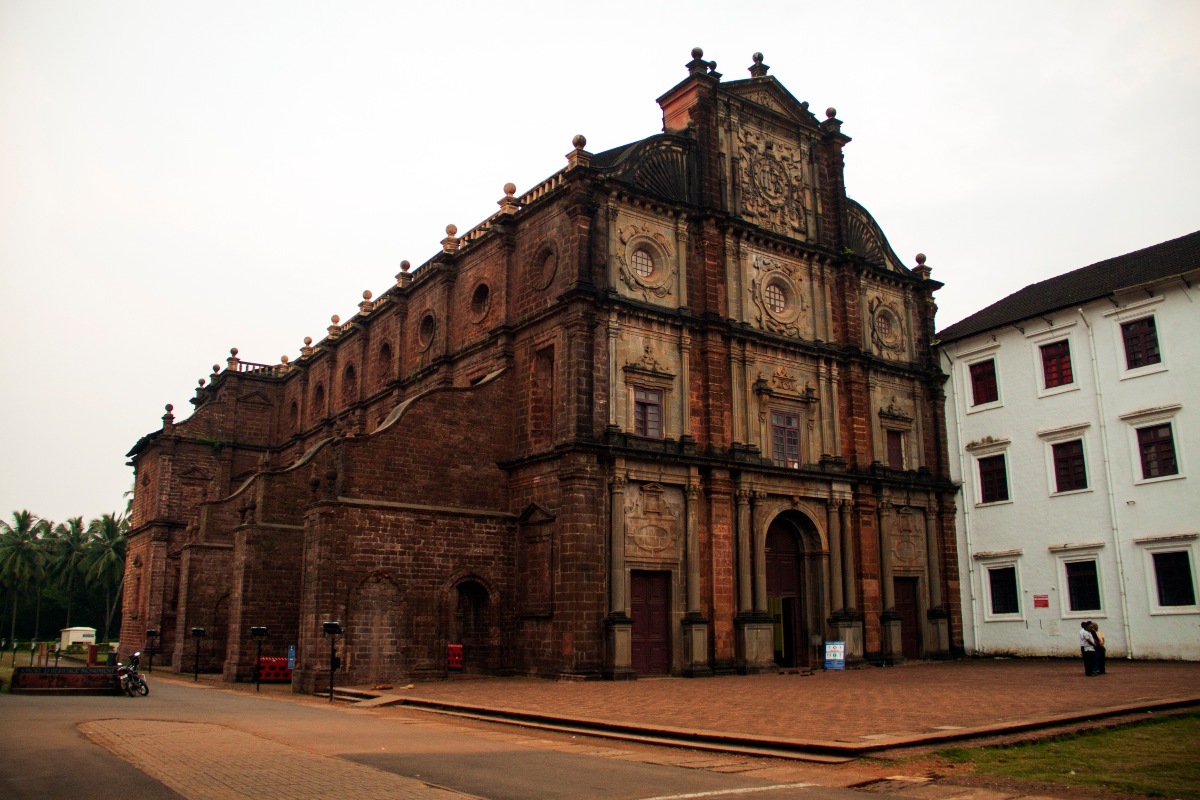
(454, 656)
(274, 669)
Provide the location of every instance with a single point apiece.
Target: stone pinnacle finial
(509, 204)
(579, 157)
(335, 319)
(921, 270)
(830, 112)
(307, 348)
(759, 70)
(216, 369)
(403, 278)
(697, 66)
(450, 243)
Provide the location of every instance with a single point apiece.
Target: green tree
(22, 558)
(105, 561)
(70, 548)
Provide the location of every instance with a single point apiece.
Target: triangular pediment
(770, 93)
(255, 399)
(195, 474)
(535, 514)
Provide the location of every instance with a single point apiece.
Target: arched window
(318, 407)
(383, 364)
(349, 386)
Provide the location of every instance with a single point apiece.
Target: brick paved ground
(212, 762)
(852, 706)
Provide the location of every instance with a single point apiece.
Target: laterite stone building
(672, 411)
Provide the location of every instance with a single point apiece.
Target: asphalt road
(200, 742)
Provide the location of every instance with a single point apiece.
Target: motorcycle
(129, 679)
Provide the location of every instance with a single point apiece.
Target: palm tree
(45, 535)
(22, 560)
(70, 554)
(106, 560)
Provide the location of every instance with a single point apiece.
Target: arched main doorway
(471, 626)
(375, 635)
(794, 587)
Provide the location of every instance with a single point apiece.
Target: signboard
(291, 656)
(1041, 601)
(835, 655)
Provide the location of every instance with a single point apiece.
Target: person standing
(1098, 640)
(1087, 648)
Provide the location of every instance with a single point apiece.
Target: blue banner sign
(291, 656)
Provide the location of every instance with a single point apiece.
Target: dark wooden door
(783, 596)
(910, 616)
(650, 602)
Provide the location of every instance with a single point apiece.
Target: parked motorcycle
(129, 679)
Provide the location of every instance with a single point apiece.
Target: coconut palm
(22, 559)
(70, 543)
(105, 561)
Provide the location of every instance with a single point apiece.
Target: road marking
(728, 792)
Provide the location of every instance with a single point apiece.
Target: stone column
(618, 626)
(848, 559)
(695, 626)
(685, 393)
(885, 557)
(744, 584)
(939, 619)
(848, 625)
(755, 633)
(889, 620)
(758, 545)
(834, 531)
(613, 329)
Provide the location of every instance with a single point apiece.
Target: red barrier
(274, 669)
(454, 656)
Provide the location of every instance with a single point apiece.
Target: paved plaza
(865, 708)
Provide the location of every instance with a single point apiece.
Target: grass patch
(1155, 758)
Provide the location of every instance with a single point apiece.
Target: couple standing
(1091, 645)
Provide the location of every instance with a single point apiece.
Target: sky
(179, 178)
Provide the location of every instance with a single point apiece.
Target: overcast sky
(179, 178)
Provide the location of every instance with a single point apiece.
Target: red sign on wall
(1041, 601)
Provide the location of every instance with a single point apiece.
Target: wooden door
(784, 593)
(650, 602)
(909, 611)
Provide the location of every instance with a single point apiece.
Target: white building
(1073, 416)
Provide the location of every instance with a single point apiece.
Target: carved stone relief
(908, 539)
(771, 182)
(779, 290)
(654, 521)
(886, 326)
(645, 260)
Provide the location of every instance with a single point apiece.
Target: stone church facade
(675, 410)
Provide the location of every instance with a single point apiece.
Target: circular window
(775, 298)
(544, 267)
(884, 326)
(480, 300)
(426, 331)
(642, 263)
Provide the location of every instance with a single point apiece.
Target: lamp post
(151, 635)
(258, 633)
(197, 634)
(332, 630)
